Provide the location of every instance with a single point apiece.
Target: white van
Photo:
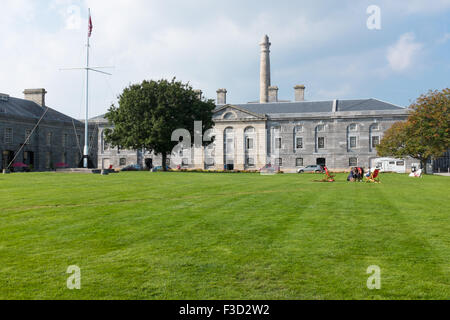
(389, 165)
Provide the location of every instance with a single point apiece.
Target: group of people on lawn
(357, 174)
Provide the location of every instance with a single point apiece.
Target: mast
(86, 124)
(88, 68)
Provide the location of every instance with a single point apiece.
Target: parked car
(311, 169)
(160, 168)
(132, 167)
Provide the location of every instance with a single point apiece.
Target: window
(400, 163)
(48, 160)
(27, 134)
(353, 162)
(250, 162)
(49, 139)
(375, 127)
(123, 162)
(352, 142)
(299, 162)
(375, 141)
(321, 143)
(8, 135)
(299, 143)
(249, 143)
(278, 143)
(279, 162)
(353, 127)
(65, 140)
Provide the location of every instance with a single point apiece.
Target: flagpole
(86, 128)
(85, 162)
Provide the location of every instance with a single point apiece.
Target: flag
(90, 27)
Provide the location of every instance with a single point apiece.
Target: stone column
(265, 70)
(239, 151)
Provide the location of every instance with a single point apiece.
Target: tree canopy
(149, 112)
(425, 134)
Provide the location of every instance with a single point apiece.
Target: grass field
(223, 236)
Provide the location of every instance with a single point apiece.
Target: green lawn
(223, 236)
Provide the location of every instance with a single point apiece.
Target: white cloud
(402, 55)
(208, 43)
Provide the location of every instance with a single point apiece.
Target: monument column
(265, 70)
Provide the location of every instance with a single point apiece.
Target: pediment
(234, 113)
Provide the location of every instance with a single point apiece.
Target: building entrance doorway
(7, 157)
(28, 158)
(149, 164)
(321, 162)
(229, 167)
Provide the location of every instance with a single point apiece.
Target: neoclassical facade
(338, 134)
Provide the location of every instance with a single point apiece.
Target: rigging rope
(76, 137)
(27, 139)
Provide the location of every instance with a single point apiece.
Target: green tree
(150, 112)
(426, 132)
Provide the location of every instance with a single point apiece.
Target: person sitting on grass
(360, 174)
(351, 176)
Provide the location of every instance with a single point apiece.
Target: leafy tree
(149, 112)
(426, 132)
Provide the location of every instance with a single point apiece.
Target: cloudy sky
(325, 45)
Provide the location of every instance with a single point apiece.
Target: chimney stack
(335, 105)
(4, 97)
(265, 70)
(222, 96)
(273, 94)
(36, 95)
(199, 94)
(299, 93)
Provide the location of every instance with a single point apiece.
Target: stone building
(116, 157)
(56, 140)
(337, 133)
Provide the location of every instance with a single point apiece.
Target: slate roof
(31, 110)
(317, 106)
(307, 107)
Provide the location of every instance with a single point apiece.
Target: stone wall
(42, 150)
